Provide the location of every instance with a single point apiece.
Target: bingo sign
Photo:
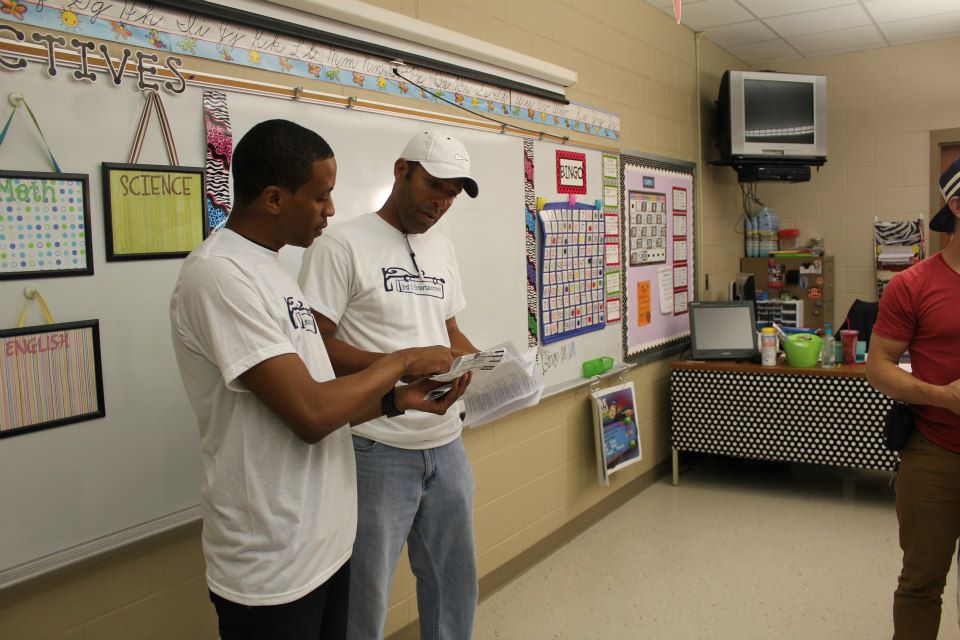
(571, 172)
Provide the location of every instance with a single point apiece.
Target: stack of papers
(504, 381)
(895, 254)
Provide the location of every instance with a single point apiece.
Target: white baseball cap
(442, 156)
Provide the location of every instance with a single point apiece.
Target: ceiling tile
(763, 51)
(889, 10)
(742, 33)
(711, 13)
(931, 27)
(821, 20)
(863, 37)
(770, 8)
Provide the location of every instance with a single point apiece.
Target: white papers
(515, 384)
(895, 254)
(665, 278)
(610, 169)
(611, 197)
(480, 362)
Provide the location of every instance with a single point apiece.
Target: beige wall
(535, 471)
(883, 104)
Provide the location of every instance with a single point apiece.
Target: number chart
(571, 271)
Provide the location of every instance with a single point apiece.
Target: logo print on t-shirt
(402, 281)
(300, 316)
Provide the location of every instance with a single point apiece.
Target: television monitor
(723, 330)
(769, 116)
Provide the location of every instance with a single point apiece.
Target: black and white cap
(949, 187)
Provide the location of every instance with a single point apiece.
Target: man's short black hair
(275, 153)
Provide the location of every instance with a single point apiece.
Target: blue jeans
(423, 498)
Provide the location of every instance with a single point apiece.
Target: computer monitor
(723, 330)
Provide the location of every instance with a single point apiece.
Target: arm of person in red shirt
(886, 376)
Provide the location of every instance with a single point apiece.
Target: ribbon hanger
(154, 102)
(30, 293)
(17, 100)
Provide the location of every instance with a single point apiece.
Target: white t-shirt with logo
(279, 515)
(360, 275)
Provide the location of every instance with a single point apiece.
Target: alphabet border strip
(179, 33)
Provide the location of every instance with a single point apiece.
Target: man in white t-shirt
(381, 282)
(279, 491)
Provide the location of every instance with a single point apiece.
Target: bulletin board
(658, 232)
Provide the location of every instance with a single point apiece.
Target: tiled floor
(738, 550)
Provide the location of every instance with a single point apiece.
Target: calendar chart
(647, 215)
(572, 259)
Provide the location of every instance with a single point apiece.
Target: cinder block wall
(535, 471)
(883, 106)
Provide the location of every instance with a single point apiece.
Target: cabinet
(808, 279)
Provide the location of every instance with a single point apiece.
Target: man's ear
(400, 168)
(272, 199)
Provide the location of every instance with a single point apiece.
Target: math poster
(658, 234)
(44, 225)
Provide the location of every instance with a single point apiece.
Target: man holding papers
(381, 282)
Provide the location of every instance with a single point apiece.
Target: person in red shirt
(920, 313)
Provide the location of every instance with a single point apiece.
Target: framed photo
(51, 376)
(615, 428)
(152, 211)
(44, 225)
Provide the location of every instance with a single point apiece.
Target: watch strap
(388, 404)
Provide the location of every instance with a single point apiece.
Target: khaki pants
(928, 509)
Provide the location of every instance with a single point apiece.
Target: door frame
(938, 138)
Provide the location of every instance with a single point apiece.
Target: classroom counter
(744, 410)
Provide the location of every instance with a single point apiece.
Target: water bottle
(828, 354)
(768, 347)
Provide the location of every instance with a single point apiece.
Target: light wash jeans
(423, 498)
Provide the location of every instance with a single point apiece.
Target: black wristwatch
(388, 404)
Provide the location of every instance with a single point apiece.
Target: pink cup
(848, 345)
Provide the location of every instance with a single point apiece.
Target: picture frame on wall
(52, 376)
(44, 225)
(152, 211)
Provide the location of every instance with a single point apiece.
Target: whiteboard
(561, 362)
(83, 488)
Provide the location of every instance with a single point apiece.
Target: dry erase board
(83, 488)
(562, 361)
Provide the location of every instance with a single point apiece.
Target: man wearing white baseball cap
(379, 282)
(919, 313)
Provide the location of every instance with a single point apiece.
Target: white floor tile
(737, 551)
